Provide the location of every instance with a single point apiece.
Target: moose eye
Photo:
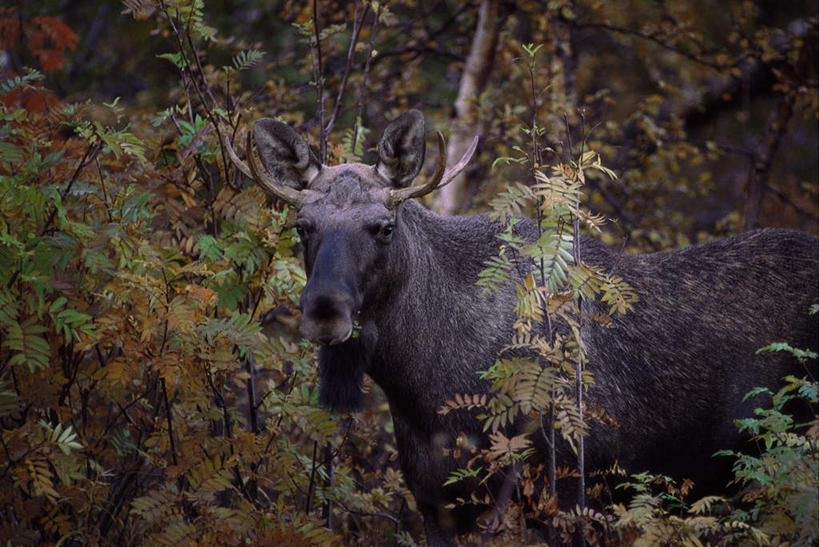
(303, 231)
(382, 231)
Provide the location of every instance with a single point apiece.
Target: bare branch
(318, 76)
(652, 38)
(358, 20)
(367, 64)
(768, 144)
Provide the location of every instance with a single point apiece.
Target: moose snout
(327, 318)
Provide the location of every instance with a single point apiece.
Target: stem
(312, 480)
(318, 70)
(328, 465)
(363, 89)
(358, 20)
(170, 421)
(581, 456)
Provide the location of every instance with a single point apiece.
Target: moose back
(672, 371)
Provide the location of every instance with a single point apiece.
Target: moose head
(347, 215)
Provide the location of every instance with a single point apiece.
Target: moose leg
(436, 536)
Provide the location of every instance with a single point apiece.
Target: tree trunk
(455, 197)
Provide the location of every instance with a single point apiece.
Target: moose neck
(434, 330)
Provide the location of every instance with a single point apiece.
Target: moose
(391, 293)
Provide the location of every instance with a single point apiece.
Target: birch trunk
(454, 198)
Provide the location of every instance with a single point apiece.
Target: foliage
(782, 483)
(778, 504)
(148, 393)
(48, 39)
(540, 375)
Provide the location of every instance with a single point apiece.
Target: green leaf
(175, 58)
(57, 304)
(31, 349)
(209, 248)
(10, 153)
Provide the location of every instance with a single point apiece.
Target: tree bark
(455, 197)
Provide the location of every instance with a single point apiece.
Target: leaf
(801, 354)
(618, 294)
(8, 399)
(247, 59)
(10, 152)
(31, 349)
(504, 448)
(63, 437)
(703, 505)
(460, 475)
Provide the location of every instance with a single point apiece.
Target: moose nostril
(323, 308)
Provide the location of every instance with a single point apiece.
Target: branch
(769, 143)
(419, 50)
(652, 38)
(170, 421)
(357, 22)
(365, 77)
(318, 71)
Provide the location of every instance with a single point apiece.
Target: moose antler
(290, 195)
(441, 178)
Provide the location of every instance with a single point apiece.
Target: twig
(358, 20)
(581, 456)
(395, 520)
(204, 103)
(170, 422)
(318, 77)
(654, 39)
(769, 143)
(312, 482)
(419, 50)
(208, 112)
(367, 63)
(251, 394)
(789, 202)
(328, 466)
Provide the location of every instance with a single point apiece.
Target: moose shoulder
(672, 372)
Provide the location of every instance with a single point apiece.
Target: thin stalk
(581, 450)
(537, 160)
(312, 480)
(363, 89)
(318, 76)
(170, 421)
(358, 20)
(328, 465)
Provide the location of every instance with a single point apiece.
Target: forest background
(152, 386)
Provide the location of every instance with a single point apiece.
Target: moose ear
(285, 155)
(401, 150)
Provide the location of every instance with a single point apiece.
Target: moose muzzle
(331, 297)
(327, 317)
